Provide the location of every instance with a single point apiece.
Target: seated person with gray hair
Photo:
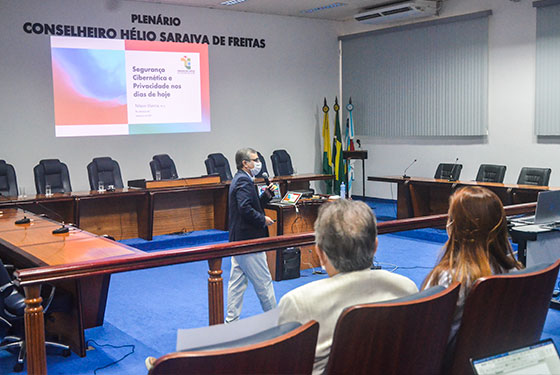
(346, 240)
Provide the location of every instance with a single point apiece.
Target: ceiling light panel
(330, 6)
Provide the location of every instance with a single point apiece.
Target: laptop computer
(290, 199)
(540, 358)
(547, 211)
(277, 197)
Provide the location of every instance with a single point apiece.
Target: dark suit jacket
(246, 214)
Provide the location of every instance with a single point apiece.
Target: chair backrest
(217, 163)
(54, 173)
(289, 353)
(491, 173)
(282, 163)
(534, 176)
(404, 336)
(8, 181)
(502, 312)
(104, 169)
(165, 165)
(263, 168)
(448, 171)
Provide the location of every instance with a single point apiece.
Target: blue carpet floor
(145, 308)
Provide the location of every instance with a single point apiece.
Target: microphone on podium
(452, 174)
(410, 165)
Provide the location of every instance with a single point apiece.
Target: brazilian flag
(327, 166)
(337, 159)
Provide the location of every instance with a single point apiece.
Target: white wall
(263, 98)
(511, 140)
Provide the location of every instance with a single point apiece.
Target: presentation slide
(119, 87)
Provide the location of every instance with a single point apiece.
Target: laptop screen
(548, 207)
(277, 195)
(291, 197)
(538, 359)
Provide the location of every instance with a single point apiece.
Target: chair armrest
(6, 289)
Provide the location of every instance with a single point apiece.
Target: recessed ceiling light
(313, 10)
(232, 2)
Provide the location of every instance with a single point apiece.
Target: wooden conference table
(161, 207)
(34, 245)
(417, 196)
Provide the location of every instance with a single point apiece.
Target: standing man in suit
(248, 221)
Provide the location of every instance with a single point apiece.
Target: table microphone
(404, 173)
(24, 219)
(63, 228)
(451, 176)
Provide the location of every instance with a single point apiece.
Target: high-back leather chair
(54, 173)
(282, 163)
(104, 169)
(274, 351)
(491, 173)
(264, 169)
(502, 312)
(403, 336)
(8, 181)
(534, 176)
(165, 165)
(448, 171)
(217, 163)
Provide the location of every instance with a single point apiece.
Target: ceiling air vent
(399, 11)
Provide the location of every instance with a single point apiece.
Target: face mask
(257, 168)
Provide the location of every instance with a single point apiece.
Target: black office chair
(264, 169)
(217, 163)
(54, 173)
(163, 164)
(448, 171)
(282, 163)
(8, 181)
(534, 176)
(491, 173)
(104, 169)
(12, 311)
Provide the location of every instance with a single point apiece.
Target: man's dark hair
(243, 154)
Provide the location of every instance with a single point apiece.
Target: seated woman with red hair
(478, 244)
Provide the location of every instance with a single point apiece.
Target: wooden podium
(358, 155)
(291, 221)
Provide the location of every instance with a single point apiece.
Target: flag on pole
(337, 160)
(350, 140)
(350, 145)
(327, 156)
